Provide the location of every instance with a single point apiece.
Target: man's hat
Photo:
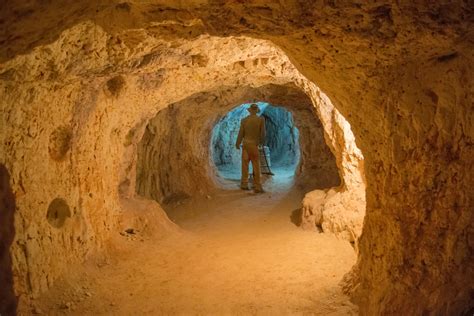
(254, 108)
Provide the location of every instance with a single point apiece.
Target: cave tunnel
(200, 133)
(282, 140)
(114, 116)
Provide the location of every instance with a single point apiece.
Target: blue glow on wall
(282, 139)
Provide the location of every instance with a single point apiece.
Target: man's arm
(262, 132)
(240, 137)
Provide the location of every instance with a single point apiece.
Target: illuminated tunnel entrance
(282, 139)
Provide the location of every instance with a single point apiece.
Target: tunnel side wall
(282, 136)
(44, 156)
(173, 156)
(421, 220)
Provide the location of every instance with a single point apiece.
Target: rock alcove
(78, 94)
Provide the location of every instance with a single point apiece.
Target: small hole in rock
(58, 212)
(60, 142)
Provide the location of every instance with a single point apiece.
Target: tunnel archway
(183, 132)
(282, 143)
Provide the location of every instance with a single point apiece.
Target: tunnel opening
(187, 150)
(280, 157)
(187, 154)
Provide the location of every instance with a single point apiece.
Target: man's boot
(258, 189)
(244, 186)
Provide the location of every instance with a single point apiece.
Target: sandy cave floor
(239, 254)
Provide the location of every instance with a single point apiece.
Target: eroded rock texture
(401, 73)
(282, 137)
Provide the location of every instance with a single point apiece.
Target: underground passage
(282, 152)
(120, 166)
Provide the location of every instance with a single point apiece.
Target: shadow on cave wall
(8, 300)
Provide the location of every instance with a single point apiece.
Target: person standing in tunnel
(251, 135)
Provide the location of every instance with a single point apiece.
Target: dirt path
(239, 255)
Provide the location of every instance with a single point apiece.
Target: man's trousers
(250, 154)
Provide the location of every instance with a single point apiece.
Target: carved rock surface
(333, 211)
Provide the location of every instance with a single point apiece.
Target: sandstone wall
(425, 197)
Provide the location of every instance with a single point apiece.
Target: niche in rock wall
(60, 142)
(58, 212)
